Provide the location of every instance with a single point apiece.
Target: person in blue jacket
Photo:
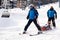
(32, 16)
(52, 15)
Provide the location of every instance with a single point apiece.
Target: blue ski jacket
(33, 14)
(51, 13)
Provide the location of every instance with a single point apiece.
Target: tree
(59, 3)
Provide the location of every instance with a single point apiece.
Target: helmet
(31, 5)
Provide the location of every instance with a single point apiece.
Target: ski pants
(35, 22)
(53, 21)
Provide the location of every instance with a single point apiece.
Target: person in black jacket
(32, 16)
(12, 3)
(59, 3)
(0, 2)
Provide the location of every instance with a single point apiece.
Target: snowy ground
(11, 27)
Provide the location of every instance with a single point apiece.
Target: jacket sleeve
(28, 15)
(48, 13)
(36, 13)
(55, 14)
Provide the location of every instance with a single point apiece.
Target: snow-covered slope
(11, 27)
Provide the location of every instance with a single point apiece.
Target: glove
(55, 17)
(27, 17)
(36, 17)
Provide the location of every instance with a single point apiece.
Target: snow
(11, 27)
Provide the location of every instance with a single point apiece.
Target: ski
(34, 34)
